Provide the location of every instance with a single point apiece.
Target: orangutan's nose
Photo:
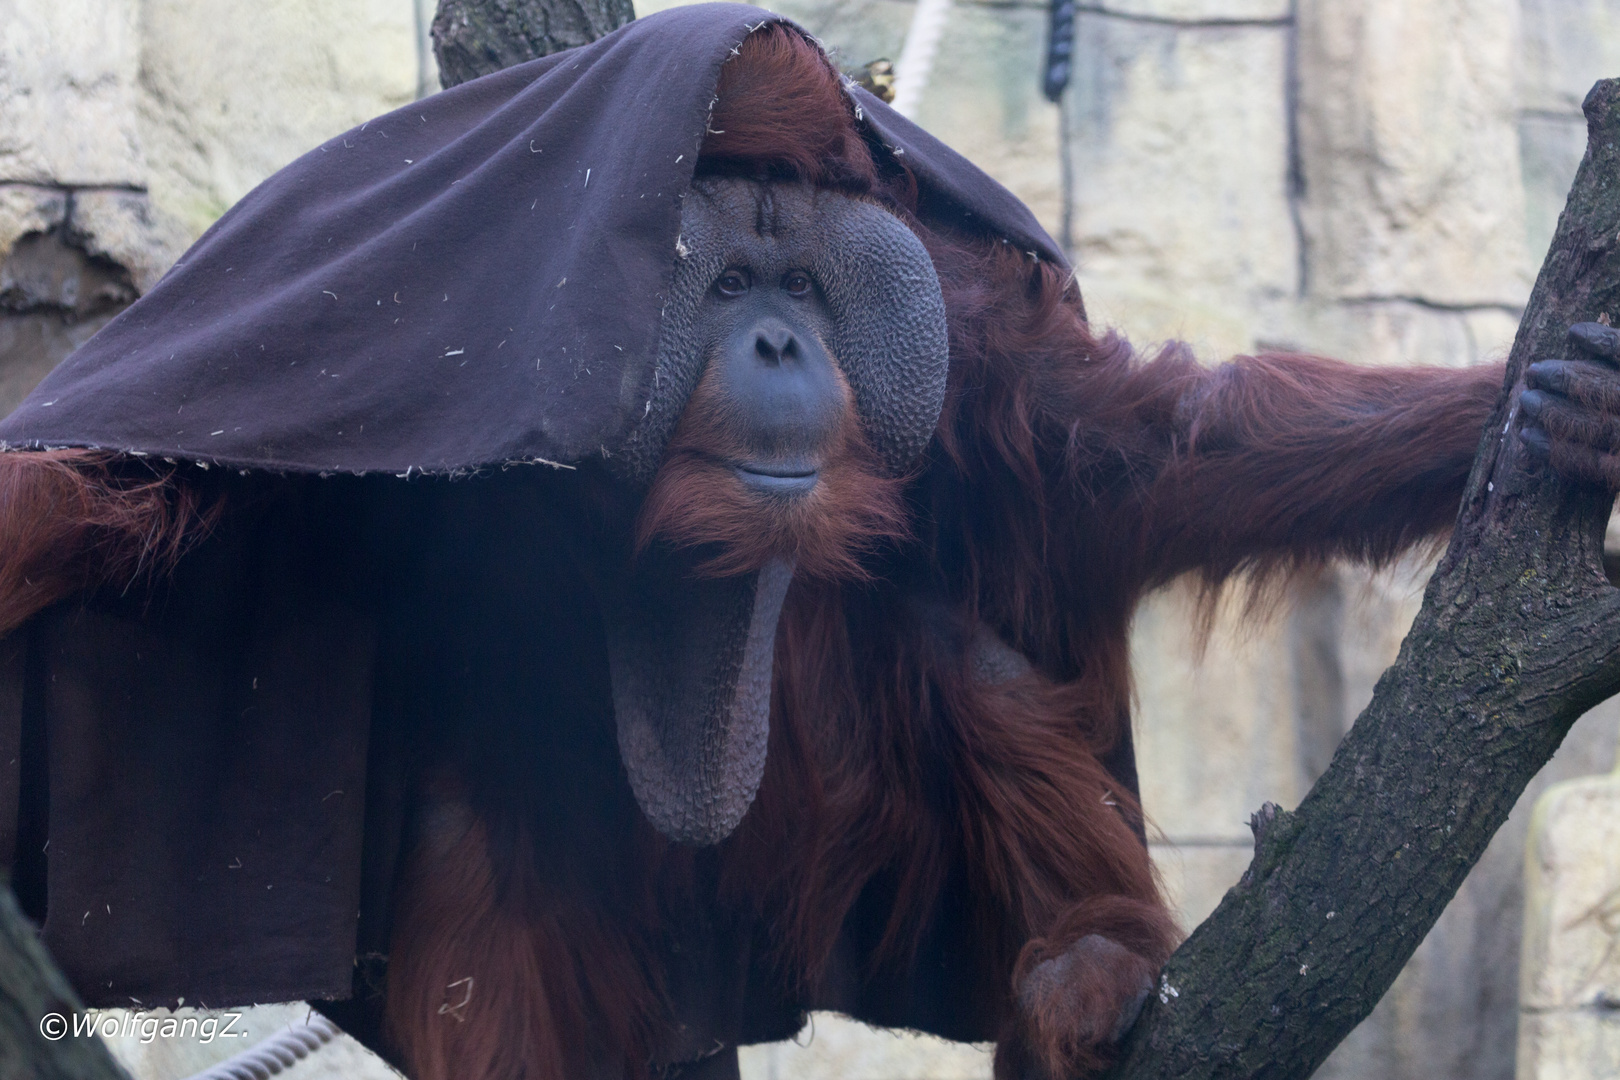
(787, 400)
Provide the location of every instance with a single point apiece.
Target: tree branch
(477, 37)
(33, 993)
(1519, 635)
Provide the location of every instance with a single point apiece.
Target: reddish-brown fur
(780, 114)
(1070, 986)
(1068, 476)
(875, 703)
(494, 976)
(70, 519)
(697, 500)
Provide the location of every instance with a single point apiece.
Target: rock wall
(129, 126)
(1374, 179)
(1569, 997)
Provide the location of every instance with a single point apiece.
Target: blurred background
(1372, 179)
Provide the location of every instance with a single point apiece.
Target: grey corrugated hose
(277, 1053)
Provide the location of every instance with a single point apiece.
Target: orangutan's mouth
(779, 477)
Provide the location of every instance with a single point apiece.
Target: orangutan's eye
(732, 283)
(797, 283)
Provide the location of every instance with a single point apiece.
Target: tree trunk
(477, 37)
(1519, 634)
(36, 1002)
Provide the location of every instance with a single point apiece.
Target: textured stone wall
(70, 159)
(129, 126)
(1569, 997)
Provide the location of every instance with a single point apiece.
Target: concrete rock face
(26, 209)
(1569, 996)
(1178, 139)
(986, 85)
(833, 1047)
(123, 227)
(53, 292)
(220, 111)
(1409, 153)
(1565, 46)
(1200, 11)
(67, 76)
(129, 126)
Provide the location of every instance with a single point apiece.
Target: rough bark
(477, 37)
(1519, 634)
(33, 996)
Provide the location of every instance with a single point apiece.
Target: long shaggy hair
(698, 501)
(1049, 500)
(889, 760)
(877, 710)
(73, 519)
(493, 975)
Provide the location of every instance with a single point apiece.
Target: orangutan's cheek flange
(690, 660)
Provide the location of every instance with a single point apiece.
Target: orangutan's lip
(779, 477)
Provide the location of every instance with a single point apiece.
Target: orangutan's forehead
(782, 217)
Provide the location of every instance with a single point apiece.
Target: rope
(916, 61)
(276, 1054)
